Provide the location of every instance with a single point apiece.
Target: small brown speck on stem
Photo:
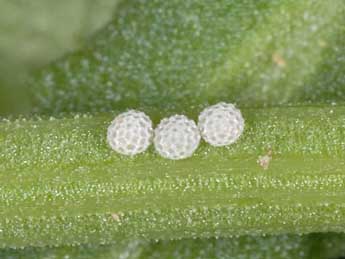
(264, 161)
(278, 60)
(115, 216)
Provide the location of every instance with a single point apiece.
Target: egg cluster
(176, 137)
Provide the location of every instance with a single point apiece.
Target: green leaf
(179, 53)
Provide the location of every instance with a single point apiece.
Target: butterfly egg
(130, 133)
(221, 124)
(176, 137)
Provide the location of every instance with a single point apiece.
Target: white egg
(221, 124)
(176, 137)
(130, 133)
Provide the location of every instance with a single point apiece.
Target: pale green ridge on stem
(64, 185)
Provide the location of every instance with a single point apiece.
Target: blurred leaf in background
(33, 33)
(181, 53)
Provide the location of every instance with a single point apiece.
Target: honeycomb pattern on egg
(130, 133)
(176, 137)
(221, 124)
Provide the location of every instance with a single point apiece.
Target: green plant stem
(62, 184)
